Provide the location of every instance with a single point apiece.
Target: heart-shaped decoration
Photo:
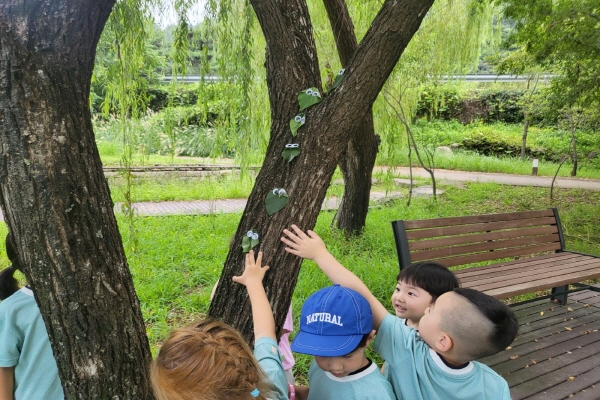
(249, 241)
(296, 123)
(276, 200)
(291, 151)
(308, 98)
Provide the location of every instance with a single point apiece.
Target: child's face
(410, 301)
(343, 365)
(430, 325)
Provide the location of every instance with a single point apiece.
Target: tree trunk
(292, 66)
(574, 157)
(357, 161)
(56, 201)
(524, 139)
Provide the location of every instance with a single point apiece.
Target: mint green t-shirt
(24, 344)
(416, 372)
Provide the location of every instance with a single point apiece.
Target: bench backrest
(471, 239)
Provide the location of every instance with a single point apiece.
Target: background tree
(563, 37)
(56, 201)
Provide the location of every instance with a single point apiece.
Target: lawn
(174, 272)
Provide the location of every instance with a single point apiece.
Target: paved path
(238, 205)
(506, 179)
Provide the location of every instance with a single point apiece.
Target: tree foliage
(564, 37)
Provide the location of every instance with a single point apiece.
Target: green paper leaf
(275, 202)
(338, 79)
(246, 244)
(296, 123)
(308, 98)
(249, 242)
(289, 154)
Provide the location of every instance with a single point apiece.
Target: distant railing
(469, 78)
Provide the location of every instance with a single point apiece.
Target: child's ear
(371, 337)
(444, 343)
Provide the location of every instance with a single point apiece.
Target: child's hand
(309, 246)
(253, 272)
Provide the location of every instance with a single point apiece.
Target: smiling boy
(418, 287)
(336, 326)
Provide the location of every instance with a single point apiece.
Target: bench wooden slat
(527, 276)
(494, 246)
(541, 284)
(533, 266)
(492, 255)
(474, 228)
(480, 237)
(563, 256)
(449, 221)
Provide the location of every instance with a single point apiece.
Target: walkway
(238, 205)
(505, 179)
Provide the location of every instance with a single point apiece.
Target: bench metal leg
(560, 294)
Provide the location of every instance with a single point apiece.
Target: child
(461, 326)
(27, 366)
(335, 326)
(211, 361)
(283, 345)
(418, 286)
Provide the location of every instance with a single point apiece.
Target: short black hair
(499, 314)
(430, 276)
(362, 343)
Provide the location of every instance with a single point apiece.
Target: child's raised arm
(7, 381)
(312, 247)
(262, 314)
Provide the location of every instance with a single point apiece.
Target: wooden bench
(527, 250)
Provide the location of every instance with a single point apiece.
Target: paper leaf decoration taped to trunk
(249, 241)
(276, 200)
(338, 79)
(296, 123)
(291, 151)
(308, 98)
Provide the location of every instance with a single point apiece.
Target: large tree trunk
(357, 160)
(291, 63)
(56, 201)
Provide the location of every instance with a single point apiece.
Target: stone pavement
(505, 179)
(332, 203)
(224, 206)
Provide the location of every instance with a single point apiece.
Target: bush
(486, 106)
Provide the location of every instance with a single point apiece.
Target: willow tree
(292, 67)
(448, 42)
(56, 201)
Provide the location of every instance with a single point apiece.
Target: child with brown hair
(210, 360)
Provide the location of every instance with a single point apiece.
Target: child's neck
(412, 324)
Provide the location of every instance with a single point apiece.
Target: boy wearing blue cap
(461, 326)
(335, 327)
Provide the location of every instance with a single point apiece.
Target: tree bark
(357, 160)
(56, 201)
(291, 63)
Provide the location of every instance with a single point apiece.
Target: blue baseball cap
(333, 322)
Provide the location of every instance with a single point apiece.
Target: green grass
(178, 259)
(174, 187)
(444, 133)
(174, 272)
